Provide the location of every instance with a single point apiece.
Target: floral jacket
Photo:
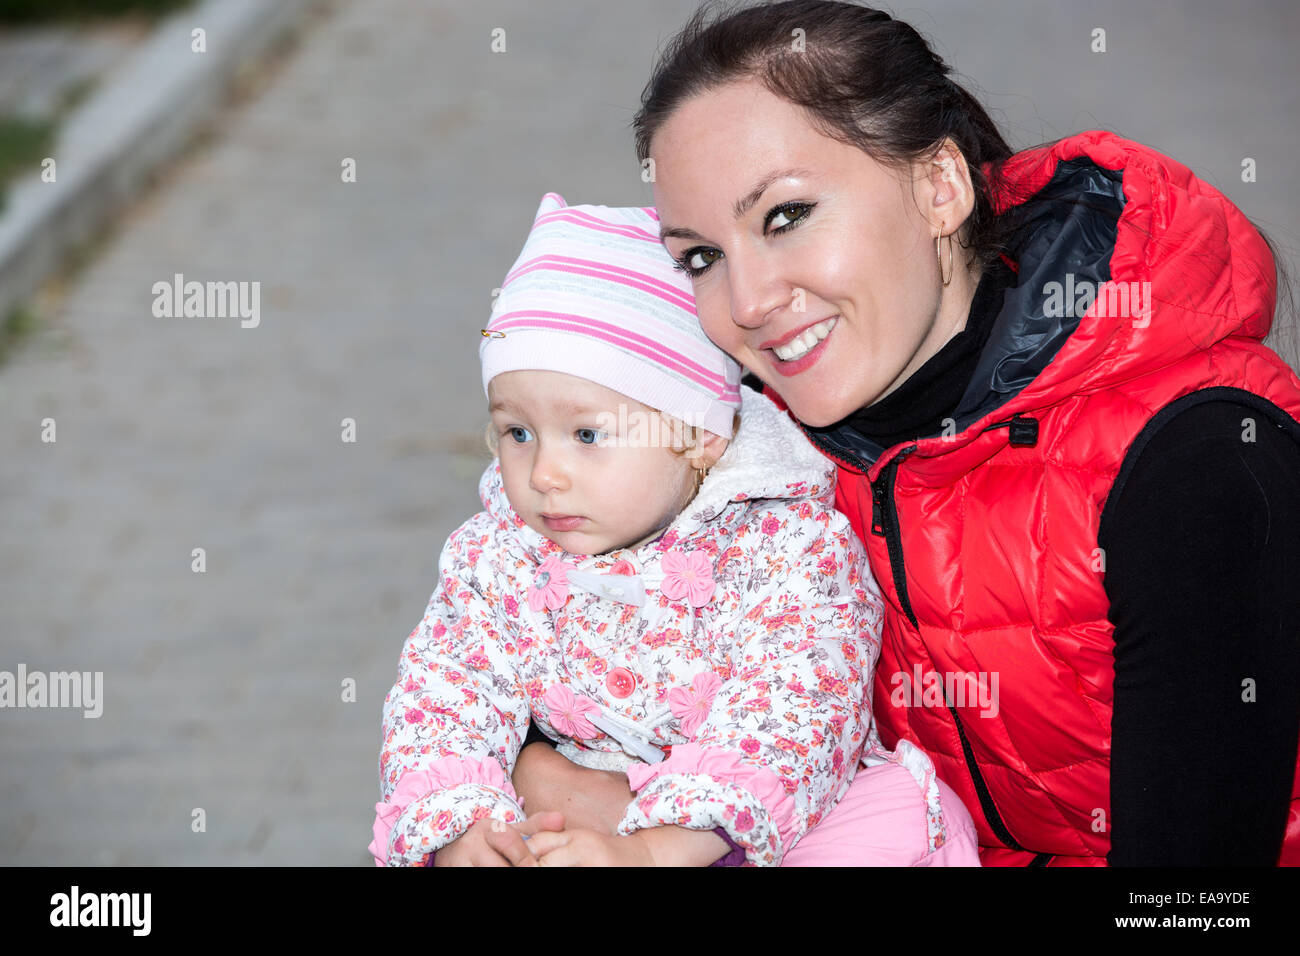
(725, 666)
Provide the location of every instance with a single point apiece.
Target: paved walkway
(223, 690)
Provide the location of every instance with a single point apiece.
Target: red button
(620, 682)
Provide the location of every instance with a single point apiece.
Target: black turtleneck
(1202, 541)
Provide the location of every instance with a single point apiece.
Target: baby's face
(583, 465)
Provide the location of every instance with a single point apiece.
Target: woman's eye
(519, 433)
(694, 262)
(785, 216)
(589, 436)
(701, 259)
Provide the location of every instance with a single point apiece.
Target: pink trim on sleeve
(728, 767)
(416, 784)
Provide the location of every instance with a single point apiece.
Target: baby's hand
(493, 843)
(580, 847)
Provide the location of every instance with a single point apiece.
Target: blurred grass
(20, 322)
(44, 11)
(23, 144)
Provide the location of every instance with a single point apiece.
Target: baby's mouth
(562, 522)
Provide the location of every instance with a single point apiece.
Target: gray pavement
(223, 689)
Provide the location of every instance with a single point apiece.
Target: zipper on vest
(987, 805)
(884, 522)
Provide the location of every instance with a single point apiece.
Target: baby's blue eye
(589, 436)
(519, 433)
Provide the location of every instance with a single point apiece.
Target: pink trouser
(882, 822)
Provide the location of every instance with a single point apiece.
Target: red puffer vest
(984, 540)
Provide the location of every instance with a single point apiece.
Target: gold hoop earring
(939, 255)
(700, 474)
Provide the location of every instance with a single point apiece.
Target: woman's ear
(947, 195)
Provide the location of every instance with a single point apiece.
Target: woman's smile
(802, 347)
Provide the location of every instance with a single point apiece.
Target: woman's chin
(818, 411)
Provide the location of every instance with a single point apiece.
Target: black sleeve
(1201, 537)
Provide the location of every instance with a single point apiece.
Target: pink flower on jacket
(551, 586)
(568, 711)
(691, 705)
(770, 525)
(688, 576)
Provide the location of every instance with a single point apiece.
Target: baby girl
(659, 580)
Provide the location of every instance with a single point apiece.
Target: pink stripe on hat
(572, 215)
(614, 274)
(616, 336)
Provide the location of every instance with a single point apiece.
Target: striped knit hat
(594, 294)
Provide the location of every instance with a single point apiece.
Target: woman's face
(819, 266)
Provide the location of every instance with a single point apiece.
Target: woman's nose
(755, 292)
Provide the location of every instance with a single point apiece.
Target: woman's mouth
(801, 351)
(562, 522)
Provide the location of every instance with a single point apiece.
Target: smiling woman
(1100, 505)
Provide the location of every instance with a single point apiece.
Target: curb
(142, 116)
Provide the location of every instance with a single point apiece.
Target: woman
(1074, 465)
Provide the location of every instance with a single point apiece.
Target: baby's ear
(711, 447)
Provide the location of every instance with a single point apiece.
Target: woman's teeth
(805, 342)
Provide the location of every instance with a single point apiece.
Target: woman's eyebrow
(740, 207)
(745, 204)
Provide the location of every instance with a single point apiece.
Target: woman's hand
(493, 843)
(589, 799)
